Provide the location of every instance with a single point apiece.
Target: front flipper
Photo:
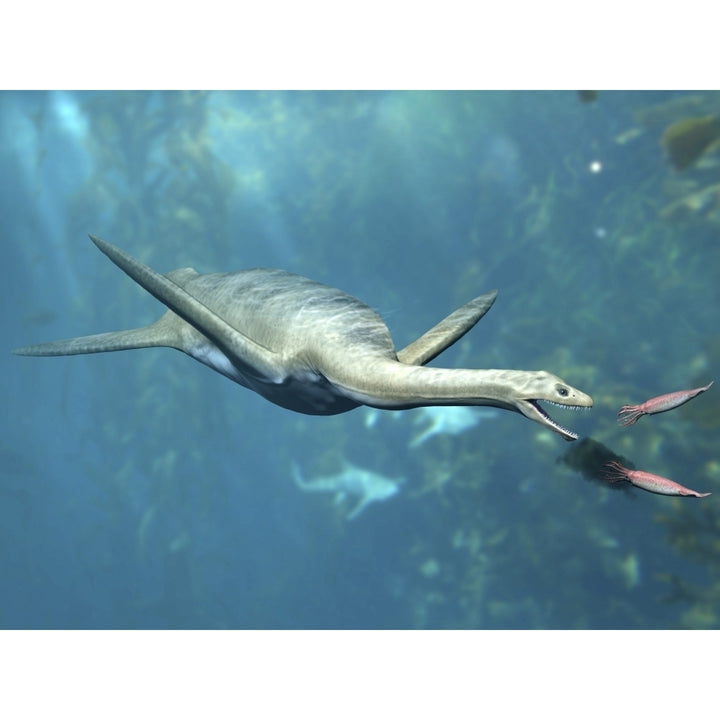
(240, 349)
(447, 331)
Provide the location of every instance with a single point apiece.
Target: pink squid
(630, 414)
(647, 481)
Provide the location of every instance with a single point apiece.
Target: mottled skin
(315, 349)
(647, 481)
(630, 414)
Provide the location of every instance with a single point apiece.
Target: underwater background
(141, 490)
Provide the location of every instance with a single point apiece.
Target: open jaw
(534, 411)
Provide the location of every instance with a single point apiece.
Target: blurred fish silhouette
(366, 485)
(447, 420)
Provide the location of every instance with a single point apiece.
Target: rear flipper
(159, 334)
(241, 350)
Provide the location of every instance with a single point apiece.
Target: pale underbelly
(305, 391)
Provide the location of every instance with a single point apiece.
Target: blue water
(141, 490)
